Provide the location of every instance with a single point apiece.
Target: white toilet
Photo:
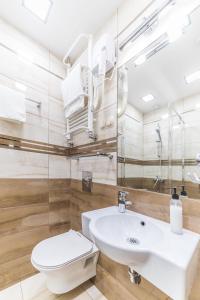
(67, 260)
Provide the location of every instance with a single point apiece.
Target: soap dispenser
(183, 194)
(176, 213)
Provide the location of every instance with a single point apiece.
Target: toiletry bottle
(183, 194)
(176, 213)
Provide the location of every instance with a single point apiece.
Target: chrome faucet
(122, 201)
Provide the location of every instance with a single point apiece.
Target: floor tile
(95, 294)
(33, 286)
(11, 293)
(77, 294)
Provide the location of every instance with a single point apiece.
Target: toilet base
(66, 278)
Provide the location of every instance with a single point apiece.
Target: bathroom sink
(125, 238)
(148, 246)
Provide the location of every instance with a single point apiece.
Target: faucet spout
(123, 202)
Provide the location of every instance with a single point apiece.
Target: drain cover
(133, 241)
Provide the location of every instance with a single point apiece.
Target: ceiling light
(20, 86)
(164, 117)
(192, 77)
(175, 127)
(197, 105)
(140, 60)
(148, 98)
(40, 8)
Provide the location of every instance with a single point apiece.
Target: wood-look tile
(21, 243)
(120, 273)
(19, 192)
(15, 270)
(18, 219)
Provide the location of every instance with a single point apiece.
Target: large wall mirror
(159, 99)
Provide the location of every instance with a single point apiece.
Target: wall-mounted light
(148, 98)
(192, 77)
(40, 8)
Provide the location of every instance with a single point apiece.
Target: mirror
(159, 100)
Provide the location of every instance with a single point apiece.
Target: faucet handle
(123, 193)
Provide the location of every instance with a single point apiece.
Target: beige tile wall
(18, 65)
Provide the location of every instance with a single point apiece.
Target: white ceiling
(68, 18)
(163, 74)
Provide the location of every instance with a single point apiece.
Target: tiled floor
(34, 288)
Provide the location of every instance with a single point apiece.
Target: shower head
(157, 129)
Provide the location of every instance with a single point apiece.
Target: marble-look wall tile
(29, 66)
(59, 167)
(22, 164)
(103, 169)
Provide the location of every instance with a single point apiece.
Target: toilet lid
(61, 249)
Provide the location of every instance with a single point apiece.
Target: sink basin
(148, 246)
(125, 238)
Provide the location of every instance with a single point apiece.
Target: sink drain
(133, 241)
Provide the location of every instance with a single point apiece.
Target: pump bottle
(176, 213)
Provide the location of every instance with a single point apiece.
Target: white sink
(125, 238)
(147, 245)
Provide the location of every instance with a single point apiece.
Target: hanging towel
(75, 90)
(12, 105)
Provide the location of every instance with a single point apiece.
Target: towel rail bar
(98, 154)
(34, 101)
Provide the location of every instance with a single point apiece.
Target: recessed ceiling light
(192, 77)
(40, 8)
(140, 60)
(165, 116)
(148, 98)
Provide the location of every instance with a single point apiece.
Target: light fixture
(192, 77)
(40, 8)
(20, 86)
(140, 60)
(176, 127)
(148, 98)
(165, 116)
(145, 25)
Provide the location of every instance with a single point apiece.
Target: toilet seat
(60, 250)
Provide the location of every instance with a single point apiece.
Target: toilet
(67, 260)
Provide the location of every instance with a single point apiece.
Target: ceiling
(67, 19)
(163, 75)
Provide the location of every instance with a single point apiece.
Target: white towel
(12, 105)
(74, 90)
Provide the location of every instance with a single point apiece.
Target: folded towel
(12, 105)
(74, 90)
